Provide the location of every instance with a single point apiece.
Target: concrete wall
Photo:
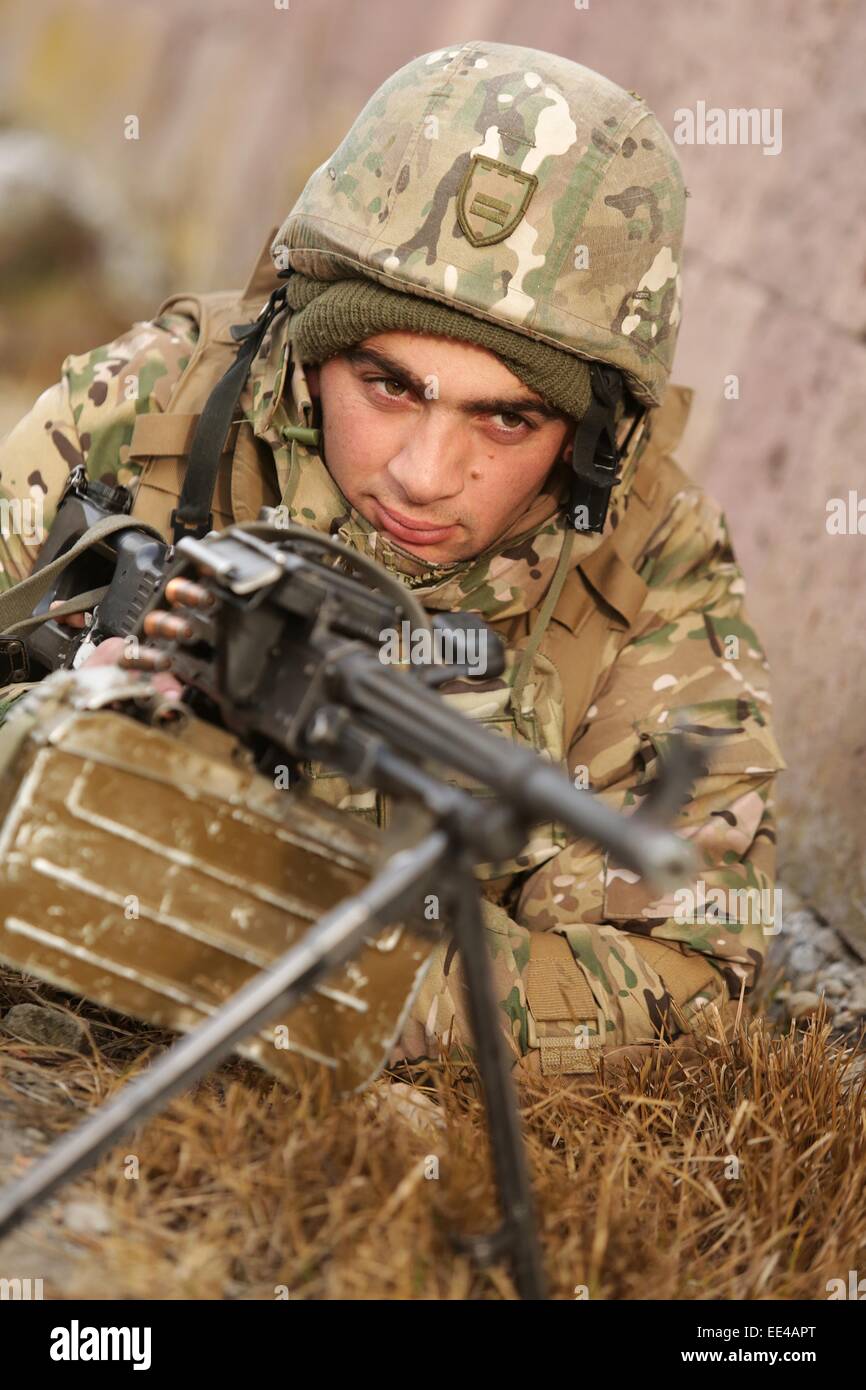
(238, 101)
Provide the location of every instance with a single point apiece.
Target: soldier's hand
(113, 652)
(71, 619)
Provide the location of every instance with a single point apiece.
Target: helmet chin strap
(595, 455)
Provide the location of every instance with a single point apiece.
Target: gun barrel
(417, 720)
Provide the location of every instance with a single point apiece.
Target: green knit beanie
(332, 315)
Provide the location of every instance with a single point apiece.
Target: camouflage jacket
(602, 708)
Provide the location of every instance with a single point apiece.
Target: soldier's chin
(435, 554)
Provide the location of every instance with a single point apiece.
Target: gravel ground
(45, 1248)
(810, 962)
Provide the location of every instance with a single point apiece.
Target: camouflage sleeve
(87, 417)
(693, 659)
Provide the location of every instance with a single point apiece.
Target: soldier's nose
(429, 469)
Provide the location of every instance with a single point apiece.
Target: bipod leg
(518, 1233)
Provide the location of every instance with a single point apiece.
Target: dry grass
(244, 1187)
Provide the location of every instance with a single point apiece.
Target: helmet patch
(492, 199)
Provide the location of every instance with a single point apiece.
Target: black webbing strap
(193, 515)
(595, 457)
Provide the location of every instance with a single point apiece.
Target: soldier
(482, 299)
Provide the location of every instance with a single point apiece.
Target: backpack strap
(216, 358)
(174, 433)
(193, 515)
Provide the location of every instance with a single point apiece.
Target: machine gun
(277, 640)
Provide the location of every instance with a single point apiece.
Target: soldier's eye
(388, 385)
(511, 422)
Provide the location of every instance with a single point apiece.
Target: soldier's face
(435, 442)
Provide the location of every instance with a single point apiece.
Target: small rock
(828, 942)
(855, 1071)
(838, 970)
(803, 962)
(857, 998)
(49, 1027)
(802, 1003)
(833, 988)
(86, 1218)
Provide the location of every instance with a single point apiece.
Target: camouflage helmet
(516, 186)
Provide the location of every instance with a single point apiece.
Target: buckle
(242, 332)
(14, 661)
(76, 481)
(189, 530)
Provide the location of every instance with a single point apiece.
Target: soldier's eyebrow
(510, 405)
(487, 405)
(359, 356)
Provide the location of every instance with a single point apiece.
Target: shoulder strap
(193, 515)
(232, 325)
(173, 431)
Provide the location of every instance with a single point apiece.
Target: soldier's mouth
(408, 530)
